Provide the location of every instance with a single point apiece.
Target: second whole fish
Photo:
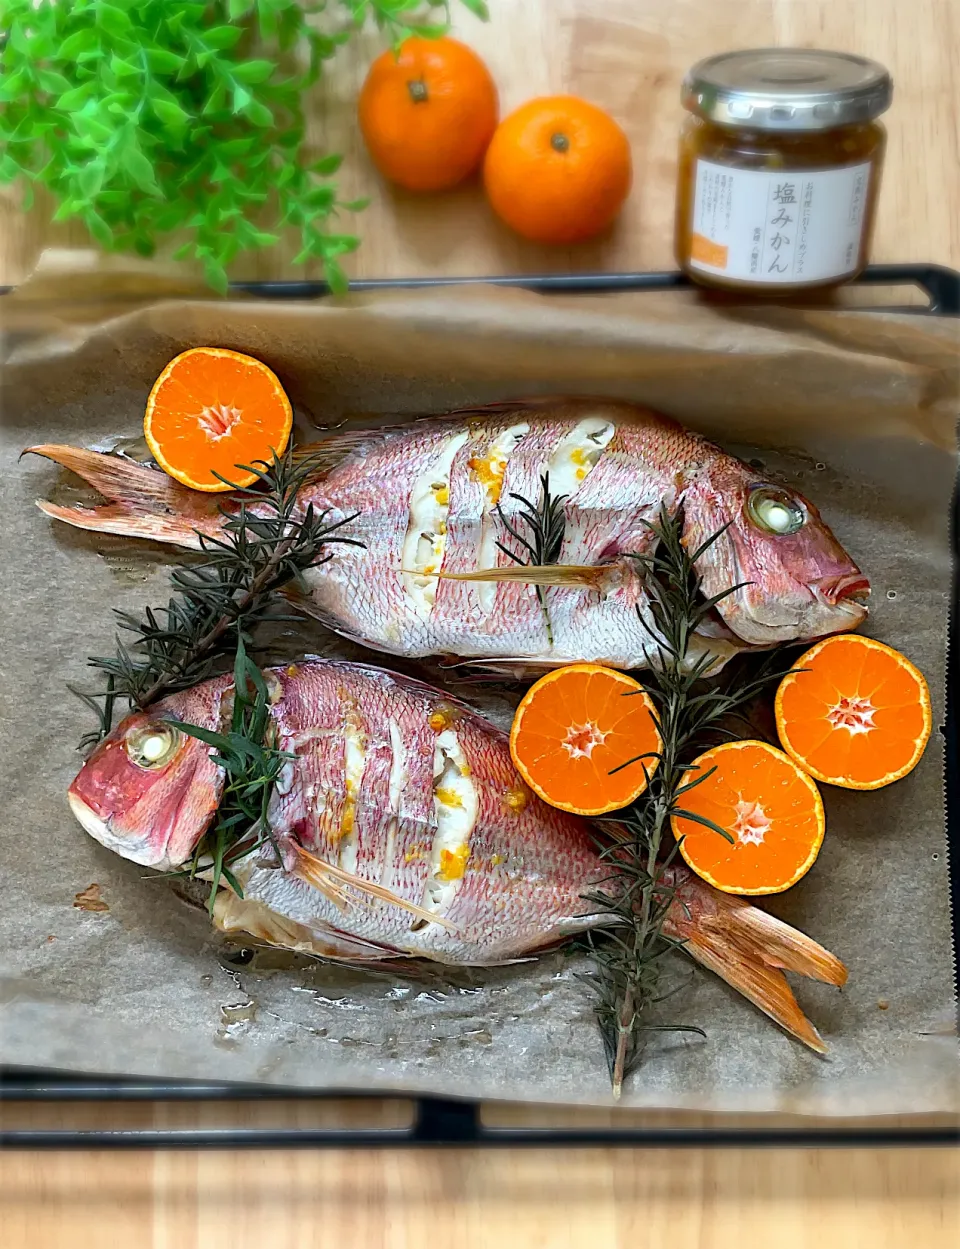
(403, 830)
(434, 501)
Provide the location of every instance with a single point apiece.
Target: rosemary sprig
(544, 523)
(639, 893)
(267, 540)
(248, 756)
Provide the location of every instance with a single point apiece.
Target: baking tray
(449, 1121)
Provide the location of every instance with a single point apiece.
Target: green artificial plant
(147, 119)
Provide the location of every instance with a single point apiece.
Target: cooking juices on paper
(780, 166)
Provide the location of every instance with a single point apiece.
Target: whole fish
(403, 830)
(438, 504)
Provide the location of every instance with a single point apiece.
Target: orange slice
(771, 808)
(574, 728)
(212, 409)
(858, 716)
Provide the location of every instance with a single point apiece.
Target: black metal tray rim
(451, 1121)
(940, 284)
(438, 1121)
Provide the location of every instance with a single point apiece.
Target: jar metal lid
(787, 89)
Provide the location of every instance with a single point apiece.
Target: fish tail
(144, 503)
(750, 949)
(591, 576)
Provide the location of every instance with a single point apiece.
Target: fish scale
(604, 515)
(310, 710)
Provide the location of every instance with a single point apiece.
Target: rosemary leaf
(629, 946)
(267, 541)
(252, 763)
(545, 524)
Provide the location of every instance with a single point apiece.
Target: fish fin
(528, 403)
(145, 503)
(295, 595)
(749, 948)
(333, 883)
(508, 662)
(590, 575)
(232, 914)
(613, 830)
(508, 668)
(329, 452)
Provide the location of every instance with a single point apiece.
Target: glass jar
(780, 167)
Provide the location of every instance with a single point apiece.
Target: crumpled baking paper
(856, 409)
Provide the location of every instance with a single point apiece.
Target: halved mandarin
(582, 736)
(857, 715)
(212, 409)
(768, 807)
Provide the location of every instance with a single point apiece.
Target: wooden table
(627, 55)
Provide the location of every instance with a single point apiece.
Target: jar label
(778, 226)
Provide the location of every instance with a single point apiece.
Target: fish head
(796, 582)
(149, 791)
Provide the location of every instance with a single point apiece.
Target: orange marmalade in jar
(780, 166)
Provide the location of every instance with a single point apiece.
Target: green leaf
(90, 178)
(217, 100)
(72, 100)
(326, 165)
(113, 20)
(253, 71)
(221, 37)
(241, 98)
(163, 61)
(66, 209)
(17, 40)
(429, 30)
(234, 148)
(478, 8)
(319, 198)
(238, 8)
(336, 278)
(258, 113)
(124, 69)
(170, 113)
(216, 276)
(84, 40)
(140, 170)
(49, 80)
(13, 84)
(98, 228)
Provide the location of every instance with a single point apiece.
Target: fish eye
(152, 745)
(775, 511)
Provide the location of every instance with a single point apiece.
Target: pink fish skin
(436, 496)
(404, 830)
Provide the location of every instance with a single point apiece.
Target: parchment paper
(857, 409)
